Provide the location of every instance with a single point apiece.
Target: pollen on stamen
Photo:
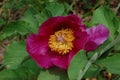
(62, 41)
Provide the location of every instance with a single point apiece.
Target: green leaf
(2, 22)
(111, 63)
(16, 52)
(26, 71)
(56, 9)
(92, 71)
(32, 68)
(119, 30)
(52, 10)
(67, 7)
(106, 17)
(77, 64)
(13, 5)
(14, 28)
(8, 75)
(53, 74)
(41, 18)
(119, 25)
(29, 17)
(46, 13)
(117, 47)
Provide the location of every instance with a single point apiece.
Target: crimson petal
(97, 35)
(38, 49)
(60, 61)
(56, 23)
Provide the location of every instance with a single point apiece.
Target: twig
(117, 8)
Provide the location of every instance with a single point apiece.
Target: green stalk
(96, 56)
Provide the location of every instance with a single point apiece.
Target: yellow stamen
(61, 41)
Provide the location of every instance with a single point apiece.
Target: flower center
(61, 41)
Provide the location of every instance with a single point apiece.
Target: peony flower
(60, 38)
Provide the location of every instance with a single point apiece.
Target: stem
(116, 10)
(89, 63)
(110, 45)
(96, 56)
